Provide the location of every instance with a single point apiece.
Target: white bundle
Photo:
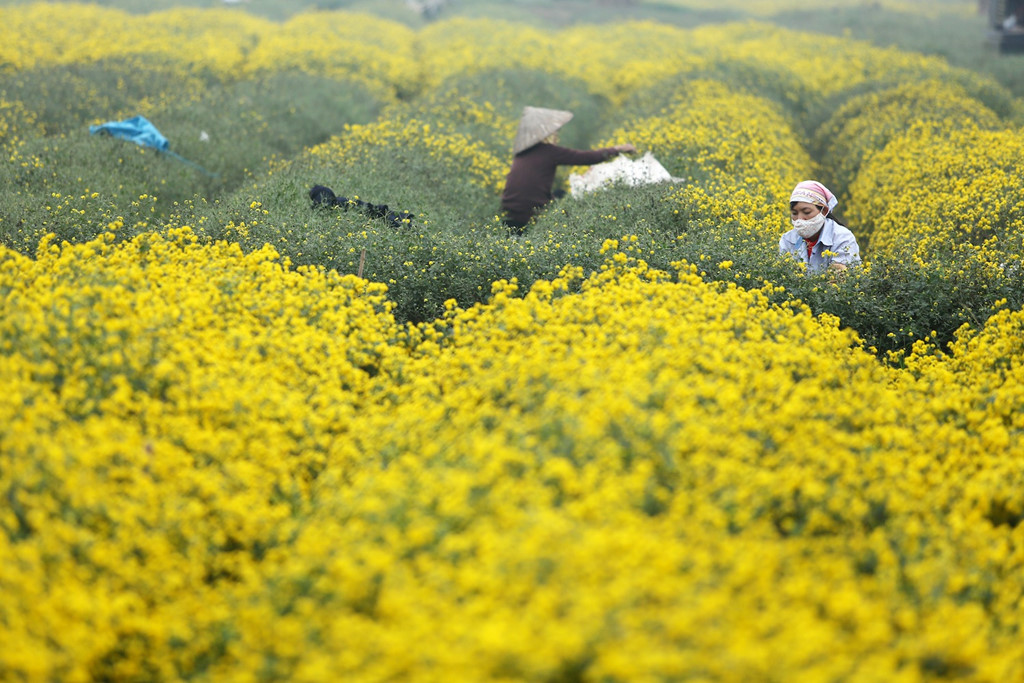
(621, 169)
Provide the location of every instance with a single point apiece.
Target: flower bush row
(234, 469)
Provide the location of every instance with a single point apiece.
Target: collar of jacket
(827, 236)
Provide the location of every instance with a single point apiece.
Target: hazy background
(955, 29)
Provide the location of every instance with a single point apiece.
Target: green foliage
(246, 125)
(435, 257)
(64, 98)
(894, 303)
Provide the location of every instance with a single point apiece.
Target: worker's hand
(625, 149)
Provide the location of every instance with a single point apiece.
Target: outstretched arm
(586, 157)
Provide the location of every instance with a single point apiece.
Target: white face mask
(808, 228)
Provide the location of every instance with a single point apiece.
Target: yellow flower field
(225, 456)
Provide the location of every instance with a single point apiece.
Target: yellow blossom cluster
(16, 123)
(39, 35)
(809, 62)
(397, 139)
(493, 124)
(217, 468)
(945, 189)
(220, 44)
(348, 45)
(980, 381)
(620, 59)
(166, 404)
(865, 124)
(388, 54)
(459, 45)
(771, 7)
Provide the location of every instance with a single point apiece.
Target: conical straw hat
(536, 124)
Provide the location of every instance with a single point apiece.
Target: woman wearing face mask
(817, 238)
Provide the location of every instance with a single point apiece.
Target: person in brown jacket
(536, 158)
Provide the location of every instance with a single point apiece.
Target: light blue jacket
(834, 238)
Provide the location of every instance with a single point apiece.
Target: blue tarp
(138, 129)
(141, 131)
